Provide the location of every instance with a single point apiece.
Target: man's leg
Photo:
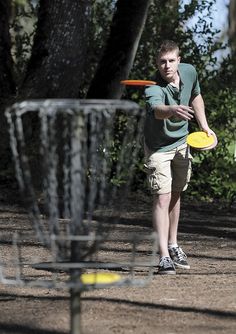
(161, 221)
(166, 211)
(176, 253)
(160, 180)
(174, 212)
(181, 171)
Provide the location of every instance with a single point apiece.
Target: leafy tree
(115, 65)
(213, 171)
(22, 27)
(71, 67)
(56, 66)
(232, 23)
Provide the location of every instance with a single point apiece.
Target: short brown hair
(168, 46)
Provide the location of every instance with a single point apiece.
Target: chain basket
(74, 158)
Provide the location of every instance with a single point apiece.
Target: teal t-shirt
(166, 134)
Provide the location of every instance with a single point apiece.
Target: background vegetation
(106, 36)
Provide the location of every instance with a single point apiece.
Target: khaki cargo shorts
(168, 171)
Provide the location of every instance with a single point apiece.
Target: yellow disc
(200, 139)
(100, 278)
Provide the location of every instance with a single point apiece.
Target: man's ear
(179, 58)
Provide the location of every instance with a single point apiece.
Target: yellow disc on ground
(200, 139)
(100, 278)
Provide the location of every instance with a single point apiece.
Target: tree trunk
(7, 85)
(56, 66)
(115, 65)
(232, 38)
(232, 24)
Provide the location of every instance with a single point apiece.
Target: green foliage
(123, 152)
(213, 171)
(22, 31)
(20, 2)
(99, 31)
(214, 176)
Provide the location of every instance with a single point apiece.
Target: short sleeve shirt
(166, 134)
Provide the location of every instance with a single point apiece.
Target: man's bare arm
(199, 111)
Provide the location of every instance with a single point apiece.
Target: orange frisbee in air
(138, 82)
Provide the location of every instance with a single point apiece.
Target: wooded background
(82, 49)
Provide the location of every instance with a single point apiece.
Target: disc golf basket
(74, 161)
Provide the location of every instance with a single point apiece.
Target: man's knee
(162, 200)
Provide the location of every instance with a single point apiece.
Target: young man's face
(168, 65)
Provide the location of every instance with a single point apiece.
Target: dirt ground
(199, 300)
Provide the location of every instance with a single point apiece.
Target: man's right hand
(178, 111)
(183, 112)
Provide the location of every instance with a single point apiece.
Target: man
(171, 104)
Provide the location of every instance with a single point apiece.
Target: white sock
(172, 245)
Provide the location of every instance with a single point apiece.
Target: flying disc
(138, 82)
(200, 140)
(100, 278)
(211, 146)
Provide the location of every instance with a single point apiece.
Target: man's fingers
(191, 111)
(185, 112)
(188, 109)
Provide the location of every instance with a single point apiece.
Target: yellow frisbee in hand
(201, 140)
(100, 278)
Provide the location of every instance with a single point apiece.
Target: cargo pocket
(152, 177)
